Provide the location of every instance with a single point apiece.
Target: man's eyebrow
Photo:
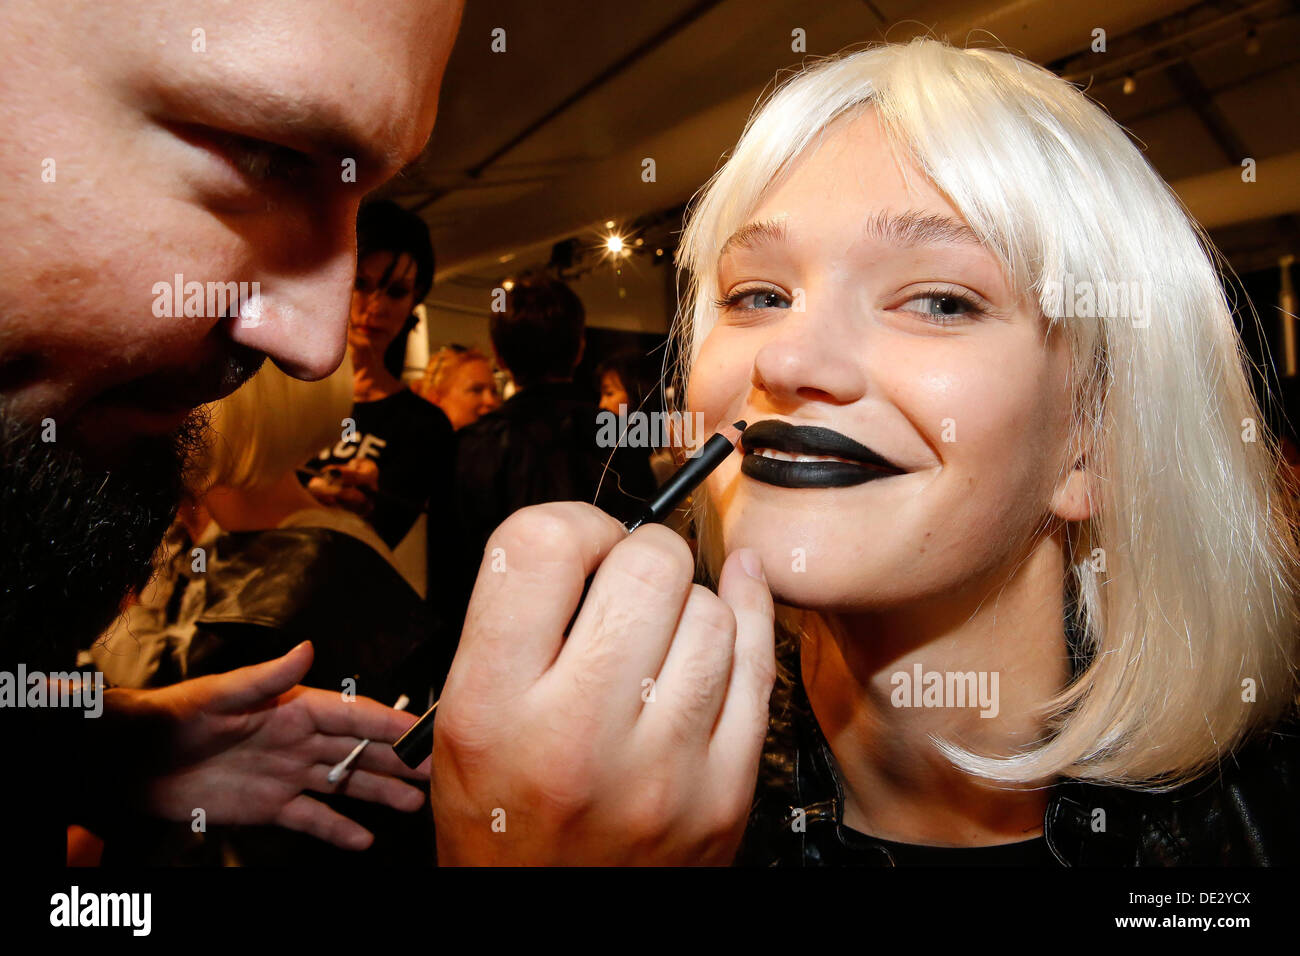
(754, 234)
(918, 229)
(311, 125)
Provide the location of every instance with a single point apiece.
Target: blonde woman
(1034, 560)
(459, 380)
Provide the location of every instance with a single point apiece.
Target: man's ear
(582, 350)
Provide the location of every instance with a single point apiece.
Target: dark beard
(76, 539)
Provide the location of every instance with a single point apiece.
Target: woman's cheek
(719, 380)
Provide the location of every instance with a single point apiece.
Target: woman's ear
(1072, 499)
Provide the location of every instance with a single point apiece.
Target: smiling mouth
(807, 456)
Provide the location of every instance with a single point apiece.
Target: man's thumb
(250, 686)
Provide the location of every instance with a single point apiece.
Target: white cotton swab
(340, 768)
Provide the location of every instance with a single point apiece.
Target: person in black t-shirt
(396, 452)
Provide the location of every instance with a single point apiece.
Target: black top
(263, 592)
(1243, 813)
(1033, 852)
(412, 442)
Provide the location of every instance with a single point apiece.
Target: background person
(401, 447)
(540, 445)
(459, 380)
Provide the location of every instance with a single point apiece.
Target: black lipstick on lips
(842, 461)
(417, 743)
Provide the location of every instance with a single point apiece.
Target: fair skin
(558, 734)
(918, 348)
(158, 148)
(469, 393)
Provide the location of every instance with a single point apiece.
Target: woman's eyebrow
(909, 228)
(912, 228)
(754, 234)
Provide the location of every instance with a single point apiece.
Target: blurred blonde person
(459, 380)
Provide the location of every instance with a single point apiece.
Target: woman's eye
(943, 308)
(748, 300)
(398, 292)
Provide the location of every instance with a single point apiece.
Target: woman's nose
(811, 356)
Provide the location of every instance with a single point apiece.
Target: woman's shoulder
(1244, 811)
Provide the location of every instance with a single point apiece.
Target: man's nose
(299, 317)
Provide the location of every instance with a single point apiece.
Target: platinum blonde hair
(1190, 602)
(273, 424)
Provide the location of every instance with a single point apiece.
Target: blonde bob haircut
(273, 424)
(1181, 584)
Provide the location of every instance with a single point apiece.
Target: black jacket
(1245, 814)
(540, 446)
(261, 593)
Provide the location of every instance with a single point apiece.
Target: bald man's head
(155, 148)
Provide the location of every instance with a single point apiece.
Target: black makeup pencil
(417, 743)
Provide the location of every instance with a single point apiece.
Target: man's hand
(244, 745)
(635, 740)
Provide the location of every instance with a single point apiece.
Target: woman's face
(471, 393)
(612, 392)
(379, 307)
(862, 304)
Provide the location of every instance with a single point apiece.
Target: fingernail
(752, 565)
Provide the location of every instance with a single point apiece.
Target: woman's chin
(829, 592)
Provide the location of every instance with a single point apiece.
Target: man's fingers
(533, 571)
(691, 687)
(307, 815)
(248, 687)
(625, 628)
(742, 726)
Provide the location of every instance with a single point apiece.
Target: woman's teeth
(788, 456)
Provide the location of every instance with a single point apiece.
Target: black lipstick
(845, 462)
